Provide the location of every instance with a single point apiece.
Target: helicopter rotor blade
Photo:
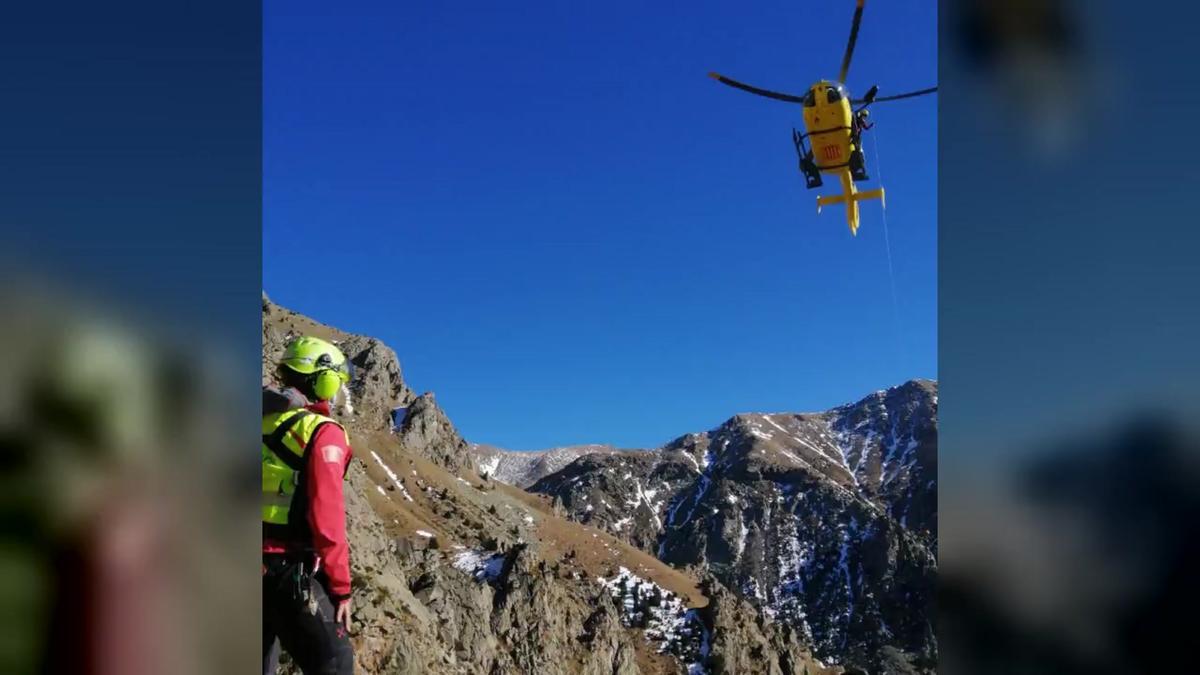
(897, 97)
(778, 96)
(858, 12)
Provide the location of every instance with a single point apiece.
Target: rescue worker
(306, 559)
(858, 162)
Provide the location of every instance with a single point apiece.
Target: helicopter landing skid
(812, 175)
(858, 166)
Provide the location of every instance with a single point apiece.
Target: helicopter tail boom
(857, 196)
(850, 197)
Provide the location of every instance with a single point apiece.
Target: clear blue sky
(570, 234)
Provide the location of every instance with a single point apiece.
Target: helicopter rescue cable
(887, 246)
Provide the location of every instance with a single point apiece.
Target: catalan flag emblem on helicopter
(833, 152)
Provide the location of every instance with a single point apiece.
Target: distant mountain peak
(787, 509)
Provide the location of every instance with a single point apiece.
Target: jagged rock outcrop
(380, 388)
(744, 642)
(428, 431)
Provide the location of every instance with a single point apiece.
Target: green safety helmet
(325, 365)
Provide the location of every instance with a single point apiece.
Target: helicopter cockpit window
(809, 99)
(832, 95)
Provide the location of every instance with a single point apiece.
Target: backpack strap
(274, 441)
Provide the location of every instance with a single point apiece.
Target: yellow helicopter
(833, 130)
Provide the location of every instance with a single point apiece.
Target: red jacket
(324, 474)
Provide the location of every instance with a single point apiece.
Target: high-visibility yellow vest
(286, 437)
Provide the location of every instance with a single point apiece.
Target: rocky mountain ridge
(825, 521)
(457, 573)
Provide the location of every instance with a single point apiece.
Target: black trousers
(298, 615)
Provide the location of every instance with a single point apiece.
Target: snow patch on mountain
(487, 467)
(392, 474)
(481, 565)
(664, 619)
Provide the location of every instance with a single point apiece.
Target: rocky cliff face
(824, 521)
(625, 493)
(428, 431)
(454, 573)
